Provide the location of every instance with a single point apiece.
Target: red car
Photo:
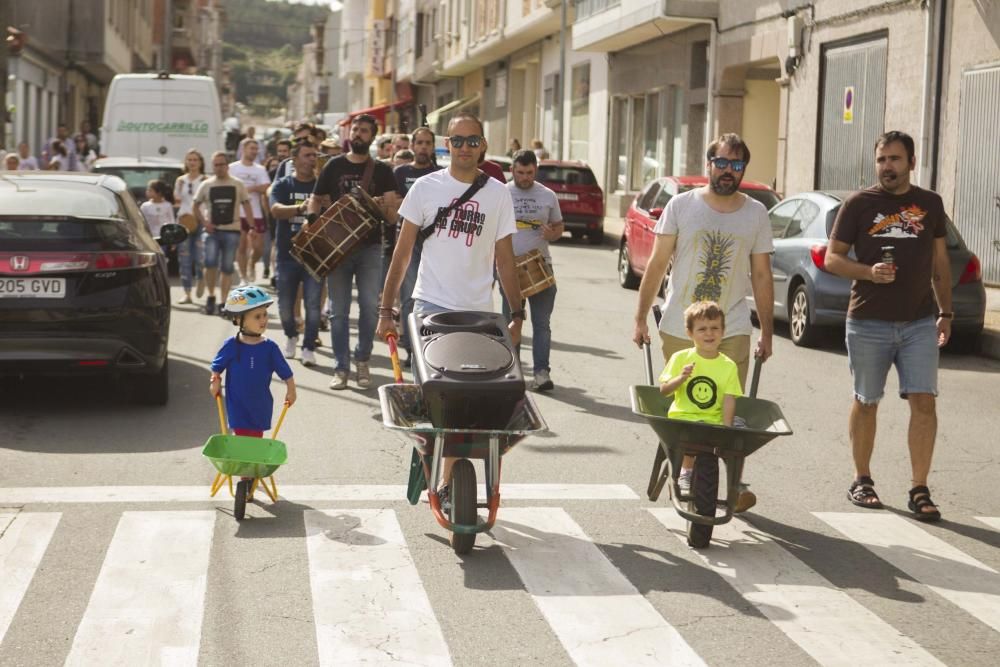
(581, 200)
(637, 241)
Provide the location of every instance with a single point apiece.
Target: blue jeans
(364, 265)
(406, 292)
(220, 251)
(291, 274)
(189, 254)
(873, 346)
(541, 307)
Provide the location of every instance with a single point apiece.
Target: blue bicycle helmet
(245, 298)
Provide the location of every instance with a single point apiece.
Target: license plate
(568, 196)
(32, 288)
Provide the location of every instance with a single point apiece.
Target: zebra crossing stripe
(369, 603)
(24, 537)
(952, 574)
(148, 601)
(991, 521)
(825, 622)
(597, 614)
(292, 492)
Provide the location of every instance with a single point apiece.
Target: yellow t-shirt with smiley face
(699, 398)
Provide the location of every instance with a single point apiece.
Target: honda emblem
(19, 263)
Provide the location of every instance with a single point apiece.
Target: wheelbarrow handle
(281, 419)
(755, 381)
(397, 370)
(222, 414)
(648, 360)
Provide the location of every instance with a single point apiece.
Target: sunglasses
(458, 140)
(725, 163)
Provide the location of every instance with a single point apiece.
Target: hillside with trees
(262, 43)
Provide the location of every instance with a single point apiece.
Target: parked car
(581, 200)
(83, 285)
(810, 298)
(138, 172)
(637, 240)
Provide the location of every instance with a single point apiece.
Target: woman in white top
(189, 253)
(156, 209)
(85, 155)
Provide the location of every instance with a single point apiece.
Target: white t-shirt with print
(157, 215)
(456, 267)
(185, 189)
(712, 258)
(532, 207)
(252, 175)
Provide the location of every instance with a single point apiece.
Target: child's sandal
(920, 498)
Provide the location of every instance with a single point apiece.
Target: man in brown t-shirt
(900, 310)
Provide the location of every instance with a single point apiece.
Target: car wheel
(151, 389)
(626, 276)
(800, 328)
(576, 234)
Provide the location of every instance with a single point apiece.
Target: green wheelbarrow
(708, 443)
(252, 460)
(403, 410)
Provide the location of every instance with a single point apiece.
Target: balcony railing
(585, 8)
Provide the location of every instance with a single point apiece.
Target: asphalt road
(580, 569)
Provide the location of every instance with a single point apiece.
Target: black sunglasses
(723, 163)
(458, 140)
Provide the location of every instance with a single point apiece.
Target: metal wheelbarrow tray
(403, 410)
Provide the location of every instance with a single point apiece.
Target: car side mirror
(656, 212)
(172, 234)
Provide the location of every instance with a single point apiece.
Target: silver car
(810, 298)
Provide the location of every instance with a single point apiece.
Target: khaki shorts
(736, 348)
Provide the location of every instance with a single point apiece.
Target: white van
(161, 115)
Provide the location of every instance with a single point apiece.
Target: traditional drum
(189, 222)
(533, 273)
(322, 245)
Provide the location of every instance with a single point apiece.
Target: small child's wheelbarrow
(403, 409)
(709, 443)
(252, 459)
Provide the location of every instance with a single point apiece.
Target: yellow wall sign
(848, 114)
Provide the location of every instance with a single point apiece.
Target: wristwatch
(518, 315)
(946, 316)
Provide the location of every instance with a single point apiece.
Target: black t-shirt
(340, 175)
(288, 191)
(871, 219)
(406, 174)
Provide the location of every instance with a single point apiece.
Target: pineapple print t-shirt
(712, 258)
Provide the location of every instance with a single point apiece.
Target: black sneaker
(210, 305)
(267, 272)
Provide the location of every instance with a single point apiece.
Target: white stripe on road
(952, 574)
(991, 521)
(23, 541)
(149, 599)
(600, 618)
(825, 622)
(369, 604)
(293, 493)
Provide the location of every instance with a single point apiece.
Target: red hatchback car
(637, 241)
(581, 200)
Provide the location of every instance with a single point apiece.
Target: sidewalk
(990, 342)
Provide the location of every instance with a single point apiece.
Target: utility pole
(4, 22)
(166, 54)
(560, 152)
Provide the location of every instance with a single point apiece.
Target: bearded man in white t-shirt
(719, 240)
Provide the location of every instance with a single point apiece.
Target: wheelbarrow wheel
(463, 504)
(704, 493)
(240, 502)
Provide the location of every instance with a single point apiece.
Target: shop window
(620, 154)
(652, 161)
(638, 116)
(579, 122)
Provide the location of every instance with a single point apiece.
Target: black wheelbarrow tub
(763, 419)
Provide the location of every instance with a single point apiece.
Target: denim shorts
(873, 346)
(427, 308)
(220, 250)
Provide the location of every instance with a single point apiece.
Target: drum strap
(476, 186)
(366, 177)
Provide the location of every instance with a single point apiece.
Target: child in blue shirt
(249, 360)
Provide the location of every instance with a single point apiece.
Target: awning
(454, 105)
(378, 111)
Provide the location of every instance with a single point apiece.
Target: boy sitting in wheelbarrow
(704, 382)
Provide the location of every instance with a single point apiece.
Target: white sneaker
(308, 357)
(542, 381)
(290, 345)
(364, 375)
(339, 381)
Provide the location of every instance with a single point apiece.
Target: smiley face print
(702, 391)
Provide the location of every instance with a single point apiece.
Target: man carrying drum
(467, 240)
(539, 222)
(364, 264)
